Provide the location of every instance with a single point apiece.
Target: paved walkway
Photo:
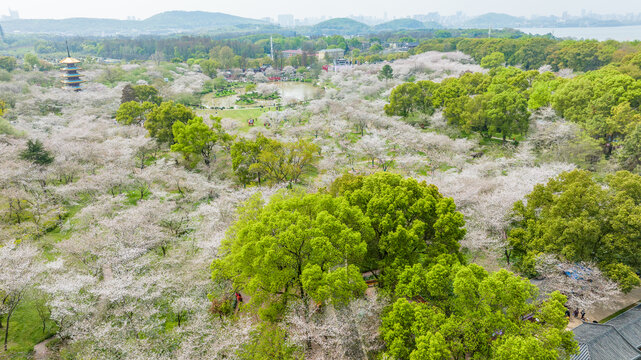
(601, 311)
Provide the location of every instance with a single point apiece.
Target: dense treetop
(454, 311)
(582, 220)
(317, 245)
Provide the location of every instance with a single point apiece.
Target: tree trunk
(6, 330)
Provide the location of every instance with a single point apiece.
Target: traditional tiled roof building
(619, 338)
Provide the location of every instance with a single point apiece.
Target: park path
(107, 275)
(601, 311)
(41, 352)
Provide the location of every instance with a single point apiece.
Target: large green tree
(245, 155)
(298, 246)
(507, 113)
(287, 161)
(386, 72)
(493, 60)
(133, 112)
(8, 63)
(630, 152)
(161, 119)
(195, 140)
(410, 97)
(576, 217)
(452, 311)
(412, 222)
(37, 153)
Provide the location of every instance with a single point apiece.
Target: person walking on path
(583, 314)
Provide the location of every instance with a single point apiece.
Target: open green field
(25, 330)
(242, 115)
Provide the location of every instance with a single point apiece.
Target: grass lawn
(25, 331)
(242, 115)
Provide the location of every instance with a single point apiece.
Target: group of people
(576, 313)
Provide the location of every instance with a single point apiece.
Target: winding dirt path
(41, 352)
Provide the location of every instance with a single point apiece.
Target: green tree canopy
(245, 155)
(412, 222)
(209, 67)
(493, 60)
(386, 72)
(317, 245)
(133, 112)
(409, 97)
(462, 312)
(287, 161)
(195, 139)
(295, 246)
(507, 113)
(161, 119)
(36, 153)
(630, 152)
(576, 217)
(140, 93)
(8, 63)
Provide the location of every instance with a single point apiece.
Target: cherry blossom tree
(20, 271)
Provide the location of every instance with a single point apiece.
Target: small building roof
(629, 325)
(603, 342)
(69, 60)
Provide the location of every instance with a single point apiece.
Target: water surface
(620, 33)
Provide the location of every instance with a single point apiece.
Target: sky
(121, 9)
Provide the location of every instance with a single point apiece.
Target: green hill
(495, 20)
(163, 23)
(196, 19)
(400, 24)
(341, 26)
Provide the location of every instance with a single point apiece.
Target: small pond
(287, 90)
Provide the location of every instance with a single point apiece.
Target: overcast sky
(305, 8)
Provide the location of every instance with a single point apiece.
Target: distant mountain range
(164, 23)
(498, 20)
(172, 22)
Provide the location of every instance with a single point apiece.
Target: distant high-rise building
(13, 15)
(286, 20)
